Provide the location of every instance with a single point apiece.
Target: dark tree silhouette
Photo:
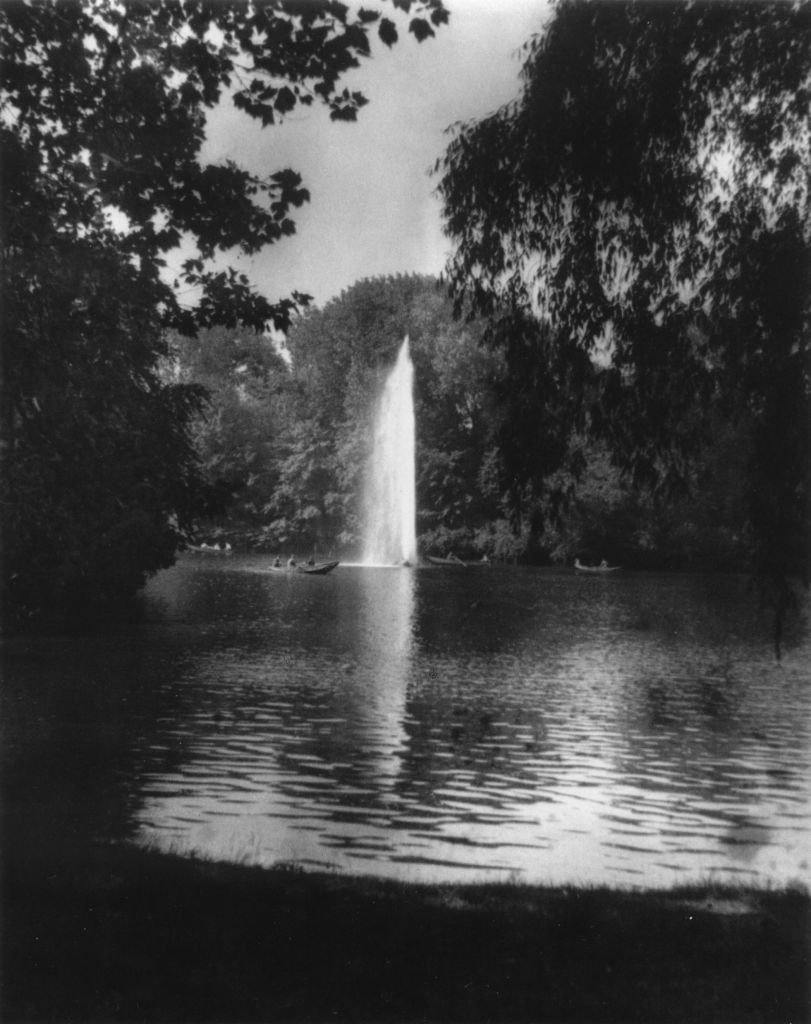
(636, 225)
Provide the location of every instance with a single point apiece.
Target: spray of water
(389, 500)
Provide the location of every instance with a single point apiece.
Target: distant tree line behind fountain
(284, 444)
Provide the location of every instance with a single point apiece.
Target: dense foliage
(291, 445)
(102, 119)
(341, 356)
(236, 431)
(636, 228)
(285, 447)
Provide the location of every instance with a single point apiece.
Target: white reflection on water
(264, 801)
(427, 725)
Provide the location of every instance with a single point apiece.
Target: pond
(427, 724)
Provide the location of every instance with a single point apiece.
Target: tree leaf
(387, 31)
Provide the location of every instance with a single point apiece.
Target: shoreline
(115, 933)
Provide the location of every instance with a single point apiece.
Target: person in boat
(277, 562)
(291, 562)
(603, 564)
(311, 560)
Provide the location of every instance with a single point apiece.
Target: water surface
(431, 724)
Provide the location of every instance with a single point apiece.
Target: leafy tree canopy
(102, 119)
(236, 431)
(104, 109)
(284, 449)
(636, 226)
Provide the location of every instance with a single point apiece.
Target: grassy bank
(117, 934)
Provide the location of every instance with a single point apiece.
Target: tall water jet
(390, 506)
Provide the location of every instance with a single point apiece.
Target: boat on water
(596, 569)
(452, 560)
(316, 569)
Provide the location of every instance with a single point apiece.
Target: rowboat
(317, 569)
(596, 569)
(453, 561)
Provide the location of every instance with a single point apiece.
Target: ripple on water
(441, 725)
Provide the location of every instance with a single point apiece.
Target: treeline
(284, 440)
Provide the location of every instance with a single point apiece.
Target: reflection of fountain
(298, 743)
(389, 501)
(379, 684)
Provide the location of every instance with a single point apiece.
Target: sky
(373, 210)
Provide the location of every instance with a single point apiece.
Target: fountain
(389, 535)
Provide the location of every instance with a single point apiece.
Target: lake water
(437, 724)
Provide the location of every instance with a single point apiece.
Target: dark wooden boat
(317, 569)
(597, 570)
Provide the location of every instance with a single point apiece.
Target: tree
(458, 416)
(645, 202)
(340, 357)
(102, 115)
(606, 516)
(237, 432)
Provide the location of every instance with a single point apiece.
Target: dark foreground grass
(117, 934)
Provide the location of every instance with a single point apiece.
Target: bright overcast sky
(372, 210)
